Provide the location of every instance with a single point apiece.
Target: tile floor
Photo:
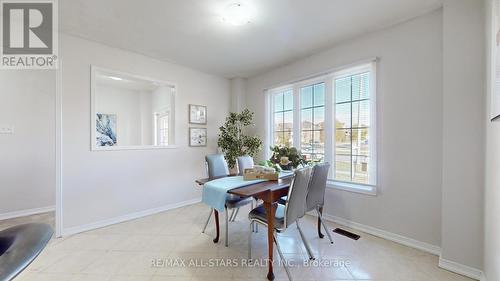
(126, 251)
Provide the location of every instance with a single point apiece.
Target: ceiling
(192, 33)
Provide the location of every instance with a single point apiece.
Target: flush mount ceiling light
(237, 14)
(115, 78)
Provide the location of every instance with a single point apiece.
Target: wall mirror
(131, 112)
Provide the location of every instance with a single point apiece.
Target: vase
(234, 170)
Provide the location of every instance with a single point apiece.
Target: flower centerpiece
(287, 158)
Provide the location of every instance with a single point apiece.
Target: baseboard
(426, 247)
(28, 212)
(132, 216)
(461, 269)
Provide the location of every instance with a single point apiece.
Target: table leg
(321, 235)
(270, 212)
(216, 215)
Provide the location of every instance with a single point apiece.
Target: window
(162, 122)
(283, 118)
(352, 125)
(334, 122)
(312, 113)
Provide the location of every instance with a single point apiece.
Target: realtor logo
(29, 40)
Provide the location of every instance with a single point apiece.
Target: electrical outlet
(6, 130)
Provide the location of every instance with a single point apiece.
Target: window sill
(353, 187)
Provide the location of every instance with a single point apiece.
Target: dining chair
(245, 162)
(217, 167)
(315, 200)
(287, 214)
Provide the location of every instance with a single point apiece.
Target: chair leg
(319, 224)
(232, 214)
(255, 225)
(227, 228)
(282, 257)
(250, 241)
(208, 220)
(235, 214)
(324, 226)
(304, 241)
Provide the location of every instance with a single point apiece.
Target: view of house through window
(352, 123)
(345, 138)
(283, 118)
(312, 113)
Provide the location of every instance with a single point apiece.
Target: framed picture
(197, 137)
(105, 129)
(197, 114)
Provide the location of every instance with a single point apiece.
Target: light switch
(6, 130)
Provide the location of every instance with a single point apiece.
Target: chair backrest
(244, 162)
(217, 165)
(296, 200)
(317, 186)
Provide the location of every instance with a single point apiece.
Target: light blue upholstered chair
(244, 162)
(315, 200)
(217, 167)
(287, 214)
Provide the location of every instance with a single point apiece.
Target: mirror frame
(93, 147)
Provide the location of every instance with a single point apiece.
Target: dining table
(270, 193)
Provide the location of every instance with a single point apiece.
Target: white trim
(269, 112)
(322, 73)
(93, 147)
(132, 216)
(410, 242)
(452, 266)
(461, 269)
(353, 187)
(28, 212)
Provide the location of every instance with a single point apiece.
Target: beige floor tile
(75, 262)
(90, 277)
(126, 251)
(131, 278)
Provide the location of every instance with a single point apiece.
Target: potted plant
(287, 158)
(232, 140)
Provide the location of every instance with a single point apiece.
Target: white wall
(101, 186)
(409, 95)
(463, 132)
(27, 157)
(238, 91)
(492, 190)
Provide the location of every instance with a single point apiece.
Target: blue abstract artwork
(105, 129)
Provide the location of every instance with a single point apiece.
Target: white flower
(284, 161)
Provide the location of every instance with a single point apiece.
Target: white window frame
(157, 117)
(329, 80)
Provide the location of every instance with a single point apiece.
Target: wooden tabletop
(261, 187)
(205, 180)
